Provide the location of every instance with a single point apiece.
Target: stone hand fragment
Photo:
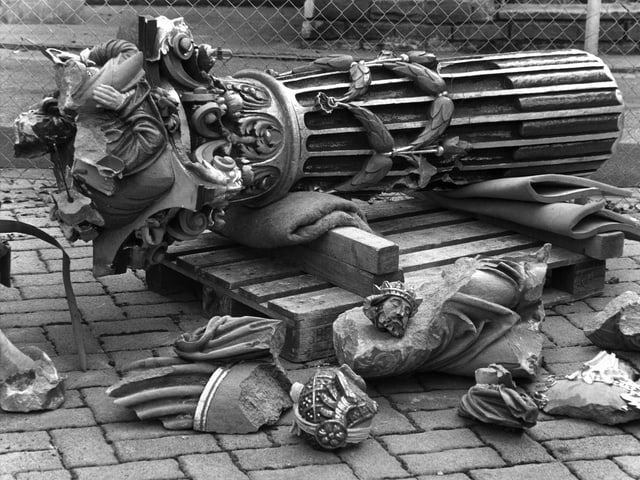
(332, 409)
(496, 399)
(617, 326)
(28, 379)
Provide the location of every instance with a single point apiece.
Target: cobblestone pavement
(416, 435)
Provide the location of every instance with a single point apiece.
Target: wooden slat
(216, 257)
(435, 237)
(392, 209)
(204, 242)
(284, 287)
(441, 256)
(413, 222)
(337, 272)
(234, 275)
(306, 308)
(358, 248)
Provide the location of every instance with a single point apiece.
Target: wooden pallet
(285, 284)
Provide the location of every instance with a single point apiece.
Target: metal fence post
(592, 27)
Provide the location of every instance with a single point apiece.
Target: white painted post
(592, 27)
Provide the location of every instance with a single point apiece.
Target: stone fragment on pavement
(617, 326)
(29, 380)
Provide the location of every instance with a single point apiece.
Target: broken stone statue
(617, 326)
(478, 313)
(149, 145)
(392, 307)
(496, 399)
(216, 383)
(603, 390)
(28, 379)
(332, 408)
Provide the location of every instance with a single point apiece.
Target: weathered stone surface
(28, 379)
(618, 325)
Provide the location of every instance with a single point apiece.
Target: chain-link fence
(279, 34)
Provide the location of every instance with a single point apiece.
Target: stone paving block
(148, 297)
(623, 275)
(99, 308)
(562, 369)
(620, 263)
(14, 442)
(597, 470)
(431, 441)
(25, 422)
(165, 447)
(103, 408)
(566, 428)
(244, 441)
(27, 261)
(72, 399)
(15, 462)
(453, 476)
(440, 419)
(629, 464)
(138, 429)
(550, 471)
(125, 282)
(562, 332)
(9, 294)
(370, 461)
(514, 447)
(57, 291)
(63, 339)
(402, 384)
(55, 278)
(49, 475)
(25, 335)
(570, 354)
(598, 303)
(95, 361)
(593, 448)
(312, 472)
(77, 251)
(34, 305)
(283, 457)
(573, 307)
(137, 341)
(282, 435)
(451, 461)
(83, 447)
(614, 289)
(161, 310)
(434, 400)
(135, 325)
(148, 470)
(34, 319)
(91, 378)
(77, 264)
(209, 466)
(389, 420)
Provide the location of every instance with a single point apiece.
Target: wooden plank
(234, 275)
(217, 257)
(441, 256)
(436, 237)
(394, 209)
(337, 272)
(305, 309)
(404, 224)
(203, 242)
(600, 246)
(358, 248)
(265, 291)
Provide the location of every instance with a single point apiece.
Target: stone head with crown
(391, 308)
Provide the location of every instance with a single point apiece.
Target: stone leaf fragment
(617, 326)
